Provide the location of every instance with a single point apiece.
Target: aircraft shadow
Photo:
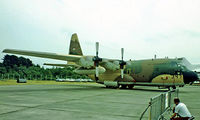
(142, 89)
(152, 90)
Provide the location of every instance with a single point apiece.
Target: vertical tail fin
(75, 48)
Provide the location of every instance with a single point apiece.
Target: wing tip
(4, 51)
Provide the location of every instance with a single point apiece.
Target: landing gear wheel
(130, 86)
(174, 87)
(123, 86)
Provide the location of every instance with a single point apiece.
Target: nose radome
(189, 76)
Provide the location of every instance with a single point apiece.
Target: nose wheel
(172, 88)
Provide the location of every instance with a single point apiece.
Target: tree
(20, 66)
(3, 70)
(10, 60)
(25, 62)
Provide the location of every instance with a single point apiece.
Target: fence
(160, 104)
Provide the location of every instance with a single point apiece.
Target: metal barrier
(160, 104)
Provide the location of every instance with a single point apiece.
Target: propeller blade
(122, 63)
(122, 52)
(122, 73)
(96, 60)
(97, 48)
(97, 71)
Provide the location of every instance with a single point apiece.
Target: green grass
(38, 82)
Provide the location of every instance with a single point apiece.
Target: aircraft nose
(189, 76)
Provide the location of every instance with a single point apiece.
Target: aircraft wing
(84, 61)
(44, 55)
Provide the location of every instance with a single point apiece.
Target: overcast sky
(143, 27)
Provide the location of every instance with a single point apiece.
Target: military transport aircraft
(115, 73)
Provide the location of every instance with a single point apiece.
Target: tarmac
(83, 102)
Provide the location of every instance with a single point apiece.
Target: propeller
(96, 60)
(122, 63)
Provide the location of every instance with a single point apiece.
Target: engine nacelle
(89, 71)
(86, 62)
(112, 65)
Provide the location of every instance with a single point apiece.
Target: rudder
(75, 48)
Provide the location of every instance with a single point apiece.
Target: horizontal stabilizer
(61, 65)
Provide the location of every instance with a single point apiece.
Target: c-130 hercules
(115, 73)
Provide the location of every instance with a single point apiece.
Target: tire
(123, 86)
(174, 87)
(130, 86)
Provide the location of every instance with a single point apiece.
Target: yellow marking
(166, 78)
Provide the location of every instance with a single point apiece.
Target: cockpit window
(178, 66)
(174, 64)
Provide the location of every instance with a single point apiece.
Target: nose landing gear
(172, 88)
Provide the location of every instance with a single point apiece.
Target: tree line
(20, 67)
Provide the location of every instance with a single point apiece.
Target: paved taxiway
(83, 102)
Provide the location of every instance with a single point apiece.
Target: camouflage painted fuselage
(151, 71)
(146, 70)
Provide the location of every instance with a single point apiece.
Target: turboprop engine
(112, 65)
(90, 71)
(86, 62)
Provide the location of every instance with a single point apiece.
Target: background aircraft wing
(44, 55)
(189, 65)
(195, 66)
